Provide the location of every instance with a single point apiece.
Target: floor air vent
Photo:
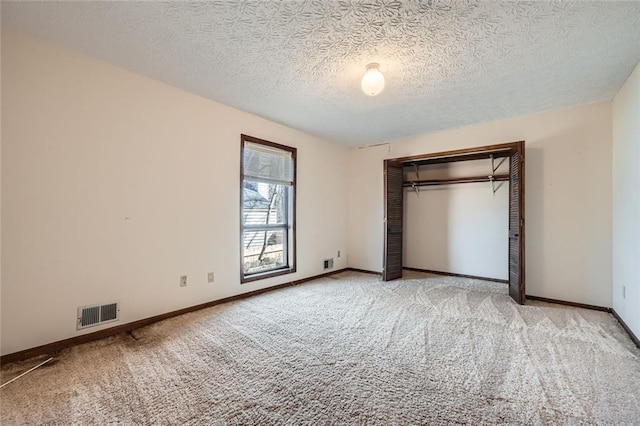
(89, 316)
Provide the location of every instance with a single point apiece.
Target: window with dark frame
(267, 206)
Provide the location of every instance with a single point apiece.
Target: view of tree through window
(268, 181)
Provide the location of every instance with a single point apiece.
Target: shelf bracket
(415, 188)
(494, 188)
(415, 167)
(493, 166)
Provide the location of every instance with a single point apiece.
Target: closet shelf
(450, 181)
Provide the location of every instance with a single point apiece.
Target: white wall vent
(89, 316)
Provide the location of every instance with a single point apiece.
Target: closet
(504, 172)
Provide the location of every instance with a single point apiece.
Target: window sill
(264, 275)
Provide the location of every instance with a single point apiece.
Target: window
(268, 179)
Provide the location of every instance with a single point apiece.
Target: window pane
(264, 250)
(267, 208)
(261, 161)
(264, 203)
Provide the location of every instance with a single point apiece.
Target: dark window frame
(290, 249)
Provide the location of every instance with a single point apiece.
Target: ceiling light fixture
(372, 81)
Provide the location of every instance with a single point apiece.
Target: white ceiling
(447, 63)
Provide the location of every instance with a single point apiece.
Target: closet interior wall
(456, 218)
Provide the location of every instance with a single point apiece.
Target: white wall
(114, 185)
(568, 197)
(0, 181)
(460, 228)
(626, 202)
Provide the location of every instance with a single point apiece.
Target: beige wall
(114, 185)
(568, 197)
(1, 149)
(626, 202)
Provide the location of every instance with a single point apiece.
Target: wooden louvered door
(516, 224)
(393, 215)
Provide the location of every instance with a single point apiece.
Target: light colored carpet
(346, 349)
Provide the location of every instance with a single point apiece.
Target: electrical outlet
(183, 281)
(624, 292)
(210, 277)
(338, 253)
(328, 264)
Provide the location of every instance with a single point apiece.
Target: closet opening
(473, 201)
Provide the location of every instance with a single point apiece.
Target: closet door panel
(516, 225)
(393, 216)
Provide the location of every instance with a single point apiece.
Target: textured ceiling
(447, 63)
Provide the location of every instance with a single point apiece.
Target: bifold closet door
(516, 224)
(393, 207)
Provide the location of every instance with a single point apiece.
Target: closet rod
(431, 182)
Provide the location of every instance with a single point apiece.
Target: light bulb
(372, 81)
